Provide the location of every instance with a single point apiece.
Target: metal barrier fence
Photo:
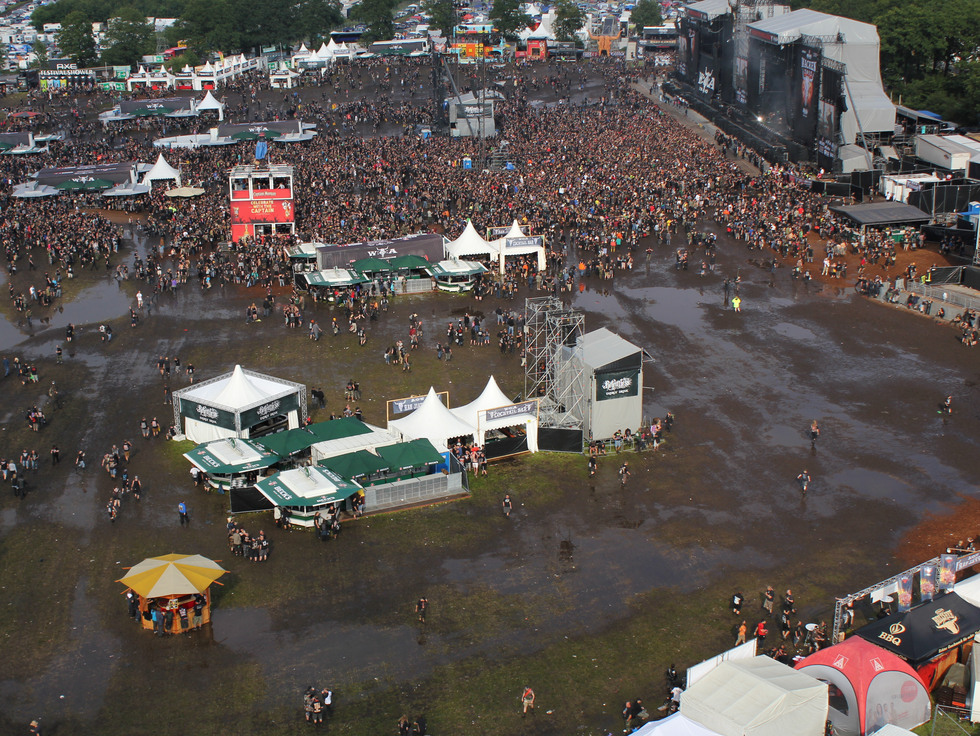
(939, 294)
(413, 490)
(950, 721)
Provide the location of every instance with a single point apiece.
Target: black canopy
(923, 632)
(882, 214)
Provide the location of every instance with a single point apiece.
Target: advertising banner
(806, 95)
(904, 593)
(404, 406)
(927, 583)
(265, 210)
(207, 414)
(525, 408)
(617, 384)
(270, 409)
(530, 241)
(707, 82)
(947, 572)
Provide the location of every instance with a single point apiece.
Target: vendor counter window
(280, 182)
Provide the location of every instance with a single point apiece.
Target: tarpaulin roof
(307, 486)
(433, 421)
(413, 454)
(409, 261)
(297, 440)
(881, 214)
(674, 725)
(491, 398)
(238, 390)
(603, 347)
(115, 173)
(921, 633)
(231, 456)
(876, 686)
(446, 269)
(371, 265)
(757, 697)
(356, 464)
(427, 245)
(271, 129)
(154, 107)
(469, 243)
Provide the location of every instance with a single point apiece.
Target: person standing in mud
(421, 607)
(804, 480)
(527, 700)
(507, 505)
(593, 465)
(814, 431)
(624, 474)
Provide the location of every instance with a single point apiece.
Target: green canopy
(85, 183)
(231, 457)
(414, 454)
(448, 269)
(257, 133)
(401, 263)
(371, 265)
(296, 440)
(305, 487)
(355, 464)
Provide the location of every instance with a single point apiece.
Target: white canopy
(545, 28)
(969, 590)
(491, 398)
(890, 729)
(469, 243)
(674, 725)
(757, 697)
(161, 171)
(432, 421)
(475, 414)
(210, 103)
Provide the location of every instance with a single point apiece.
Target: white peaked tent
(502, 413)
(890, 729)
(757, 697)
(210, 103)
(674, 725)
(431, 421)
(161, 171)
(502, 251)
(545, 29)
(470, 243)
(237, 403)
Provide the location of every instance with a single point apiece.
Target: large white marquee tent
(493, 410)
(432, 421)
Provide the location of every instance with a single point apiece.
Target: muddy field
(586, 593)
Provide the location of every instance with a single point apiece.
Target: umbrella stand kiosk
(173, 592)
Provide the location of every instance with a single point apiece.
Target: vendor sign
(617, 384)
(207, 414)
(269, 409)
(525, 408)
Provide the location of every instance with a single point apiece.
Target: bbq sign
(617, 384)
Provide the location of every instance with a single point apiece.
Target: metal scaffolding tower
(552, 331)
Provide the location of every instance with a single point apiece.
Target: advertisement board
(274, 408)
(263, 210)
(207, 414)
(617, 384)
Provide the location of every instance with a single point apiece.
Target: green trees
(443, 15)
(378, 16)
(927, 50)
(568, 20)
(76, 41)
(128, 38)
(40, 60)
(646, 13)
(508, 18)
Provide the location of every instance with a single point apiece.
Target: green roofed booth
(240, 404)
(304, 491)
(229, 463)
(295, 441)
(332, 278)
(415, 456)
(408, 263)
(456, 276)
(372, 265)
(361, 465)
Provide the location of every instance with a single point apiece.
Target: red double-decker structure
(261, 201)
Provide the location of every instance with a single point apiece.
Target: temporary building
(239, 404)
(161, 171)
(607, 371)
(304, 491)
(295, 441)
(517, 243)
(868, 687)
(676, 724)
(757, 697)
(366, 437)
(491, 412)
(171, 584)
(456, 276)
(228, 459)
(470, 243)
(210, 103)
(921, 633)
(432, 421)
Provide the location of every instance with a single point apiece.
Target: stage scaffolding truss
(551, 374)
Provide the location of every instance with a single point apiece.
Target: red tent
(869, 687)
